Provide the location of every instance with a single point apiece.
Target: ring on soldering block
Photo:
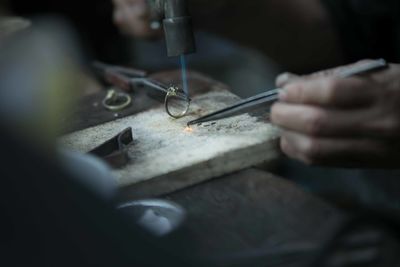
(116, 101)
(177, 103)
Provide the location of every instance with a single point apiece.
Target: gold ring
(116, 101)
(174, 92)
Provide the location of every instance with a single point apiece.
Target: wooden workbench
(166, 155)
(250, 210)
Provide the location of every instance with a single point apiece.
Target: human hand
(351, 122)
(133, 18)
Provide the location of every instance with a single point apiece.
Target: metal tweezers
(268, 98)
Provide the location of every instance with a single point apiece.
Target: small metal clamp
(115, 150)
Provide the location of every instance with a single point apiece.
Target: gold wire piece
(116, 101)
(172, 92)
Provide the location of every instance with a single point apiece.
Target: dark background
(92, 20)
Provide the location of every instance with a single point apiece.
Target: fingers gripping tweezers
(268, 98)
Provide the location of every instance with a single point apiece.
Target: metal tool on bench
(115, 150)
(176, 102)
(159, 217)
(268, 98)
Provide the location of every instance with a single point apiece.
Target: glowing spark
(188, 129)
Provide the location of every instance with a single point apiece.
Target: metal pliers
(128, 80)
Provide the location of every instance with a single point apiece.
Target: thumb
(286, 78)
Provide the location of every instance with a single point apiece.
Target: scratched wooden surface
(165, 157)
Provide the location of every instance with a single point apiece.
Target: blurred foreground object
(39, 81)
(10, 25)
(38, 86)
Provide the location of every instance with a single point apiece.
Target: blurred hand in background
(133, 18)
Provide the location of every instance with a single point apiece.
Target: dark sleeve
(367, 28)
(49, 219)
